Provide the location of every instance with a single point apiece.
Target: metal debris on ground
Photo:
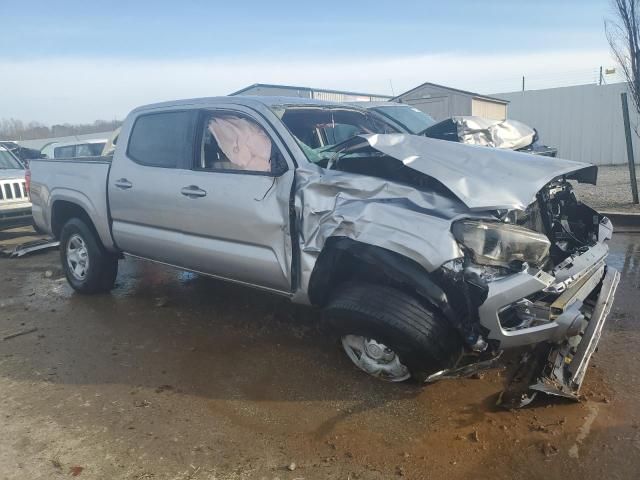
(30, 247)
(19, 333)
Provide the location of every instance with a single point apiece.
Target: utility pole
(600, 74)
(630, 160)
(523, 83)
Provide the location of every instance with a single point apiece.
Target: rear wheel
(392, 335)
(89, 268)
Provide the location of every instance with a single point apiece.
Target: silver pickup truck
(428, 257)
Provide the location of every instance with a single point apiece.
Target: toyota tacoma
(428, 257)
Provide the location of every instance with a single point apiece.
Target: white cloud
(82, 89)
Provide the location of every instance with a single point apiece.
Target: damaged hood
(482, 178)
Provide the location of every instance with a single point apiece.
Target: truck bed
(82, 181)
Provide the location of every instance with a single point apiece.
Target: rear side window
(162, 139)
(65, 152)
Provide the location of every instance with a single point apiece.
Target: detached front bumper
(559, 369)
(567, 363)
(551, 304)
(561, 312)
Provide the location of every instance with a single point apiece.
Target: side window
(233, 142)
(83, 150)
(64, 152)
(162, 139)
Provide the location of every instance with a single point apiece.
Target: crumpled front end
(517, 260)
(561, 304)
(386, 214)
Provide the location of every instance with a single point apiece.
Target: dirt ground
(176, 376)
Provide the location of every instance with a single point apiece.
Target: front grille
(13, 191)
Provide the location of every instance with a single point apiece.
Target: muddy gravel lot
(613, 191)
(177, 376)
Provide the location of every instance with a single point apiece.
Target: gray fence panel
(584, 122)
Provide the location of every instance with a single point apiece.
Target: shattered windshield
(414, 120)
(318, 129)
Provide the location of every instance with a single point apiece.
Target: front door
(234, 202)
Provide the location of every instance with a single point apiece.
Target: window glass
(162, 139)
(83, 150)
(95, 149)
(319, 129)
(7, 160)
(64, 152)
(235, 142)
(414, 120)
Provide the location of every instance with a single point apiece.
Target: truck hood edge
(482, 178)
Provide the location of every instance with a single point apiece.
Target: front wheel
(89, 268)
(390, 334)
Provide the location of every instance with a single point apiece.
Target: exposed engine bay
(570, 225)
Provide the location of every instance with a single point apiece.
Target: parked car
(15, 206)
(428, 257)
(83, 148)
(407, 118)
(472, 130)
(24, 154)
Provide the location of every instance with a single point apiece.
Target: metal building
(443, 102)
(583, 122)
(268, 90)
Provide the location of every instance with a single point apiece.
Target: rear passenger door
(235, 200)
(144, 185)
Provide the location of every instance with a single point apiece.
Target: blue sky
(101, 49)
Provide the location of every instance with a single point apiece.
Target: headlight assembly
(494, 243)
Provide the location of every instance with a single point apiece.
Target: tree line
(14, 129)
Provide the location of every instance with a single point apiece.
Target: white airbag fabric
(243, 142)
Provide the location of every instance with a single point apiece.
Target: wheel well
(63, 211)
(344, 260)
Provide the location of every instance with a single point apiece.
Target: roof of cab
(247, 100)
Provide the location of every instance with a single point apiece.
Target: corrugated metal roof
(457, 90)
(314, 90)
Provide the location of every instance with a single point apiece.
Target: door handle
(193, 191)
(123, 184)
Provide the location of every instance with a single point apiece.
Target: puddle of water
(624, 255)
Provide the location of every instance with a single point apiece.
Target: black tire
(423, 340)
(102, 268)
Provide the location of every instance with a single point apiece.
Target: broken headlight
(494, 243)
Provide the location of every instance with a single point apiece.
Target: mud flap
(560, 369)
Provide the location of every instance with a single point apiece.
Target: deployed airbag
(244, 143)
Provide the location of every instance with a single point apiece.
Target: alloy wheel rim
(77, 257)
(375, 358)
